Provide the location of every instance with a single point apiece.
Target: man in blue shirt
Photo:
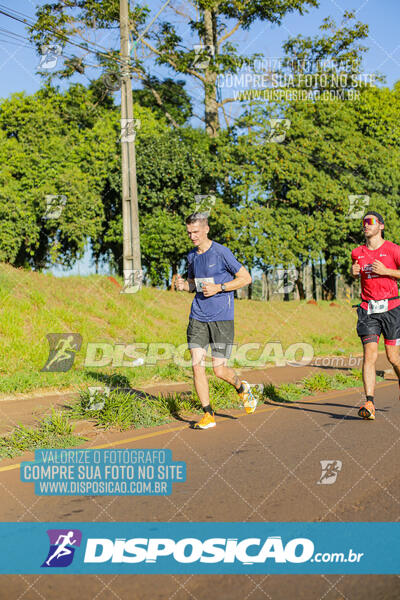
(213, 273)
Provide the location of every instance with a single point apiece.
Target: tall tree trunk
(307, 281)
(330, 282)
(264, 288)
(321, 274)
(314, 281)
(300, 286)
(269, 291)
(286, 296)
(211, 106)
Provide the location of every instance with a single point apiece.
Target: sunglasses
(370, 221)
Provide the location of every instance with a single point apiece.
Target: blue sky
(19, 61)
(18, 64)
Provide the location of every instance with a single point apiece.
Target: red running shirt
(374, 286)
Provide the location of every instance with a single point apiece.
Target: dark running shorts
(370, 327)
(219, 334)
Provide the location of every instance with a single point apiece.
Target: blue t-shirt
(217, 265)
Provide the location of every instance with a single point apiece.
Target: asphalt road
(260, 467)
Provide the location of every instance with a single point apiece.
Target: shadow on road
(113, 380)
(332, 367)
(333, 415)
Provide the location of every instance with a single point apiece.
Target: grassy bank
(126, 410)
(33, 305)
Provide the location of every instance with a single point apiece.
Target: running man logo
(129, 127)
(50, 56)
(63, 347)
(97, 397)
(203, 54)
(54, 206)
(133, 279)
(278, 129)
(63, 543)
(357, 205)
(330, 471)
(284, 280)
(204, 203)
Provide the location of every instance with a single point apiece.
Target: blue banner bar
(302, 548)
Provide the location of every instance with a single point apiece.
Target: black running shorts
(370, 327)
(219, 334)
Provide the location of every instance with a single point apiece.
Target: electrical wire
(64, 37)
(25, 19)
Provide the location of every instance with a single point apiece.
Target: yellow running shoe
(248, 398)
(206, 421)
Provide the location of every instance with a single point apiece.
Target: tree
(298, 190)
(59, 145)
(172, 169)
(171, 99)
(46, 152)
(213, 25)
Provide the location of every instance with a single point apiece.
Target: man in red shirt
(377, 262)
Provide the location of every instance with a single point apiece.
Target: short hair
(197, 217)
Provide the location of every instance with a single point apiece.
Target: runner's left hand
(210, 289)
(379, 268)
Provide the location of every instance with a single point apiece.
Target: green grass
(318, 383)
(54, 431)
(322, 340)
(288, 392)
(125, 409)
(33, 304)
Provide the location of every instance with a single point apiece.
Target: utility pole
(132, 266)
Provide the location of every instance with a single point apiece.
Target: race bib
(200, 280)
(377, 306)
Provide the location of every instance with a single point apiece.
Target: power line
(12, 42)
(64, 37)
(25, 19)
(14, 11)
(16, 37)
(13, 33)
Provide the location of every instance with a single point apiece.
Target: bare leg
(199, 375)
(369, 362)
(393, 355)
(224, 372)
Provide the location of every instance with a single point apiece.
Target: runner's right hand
(355, 269)
(179, 283)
